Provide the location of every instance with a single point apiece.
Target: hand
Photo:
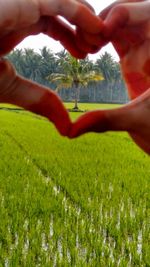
(127, 26)
(21, 18)
(133, 118)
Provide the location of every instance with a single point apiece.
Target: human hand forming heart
(127, 26)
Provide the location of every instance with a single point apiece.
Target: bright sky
(37, 42)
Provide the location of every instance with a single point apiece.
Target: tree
(49, 64)
(110, 69)
(74, 74)
(33, 64)
(17, 58)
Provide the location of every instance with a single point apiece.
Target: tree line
(40, 66)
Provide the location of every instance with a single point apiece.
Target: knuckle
(118, 9)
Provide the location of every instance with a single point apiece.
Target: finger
(51, 26)
(93, 42)
(62, 32)
(103, 120)
(129, 38)
(126, 14)
(103, 14)
(137, 82)
(141, 133)
(18, 14)
(117, 18)
(94, 39)
(138, 12)
(33, 97)
(94, 121)
(86, 44)
(142, 142)
(86, 4)
(75, 12)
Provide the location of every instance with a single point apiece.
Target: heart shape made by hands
(126, 25)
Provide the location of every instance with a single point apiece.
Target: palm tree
(32, 64)
(111, 72)
(74, 74)
(17, 58)
(48, 61)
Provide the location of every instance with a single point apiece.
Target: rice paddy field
(83, 202)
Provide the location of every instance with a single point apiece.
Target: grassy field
(84, 202)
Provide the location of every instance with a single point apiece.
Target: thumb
(120, 119)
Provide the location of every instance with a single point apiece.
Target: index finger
(76, 12)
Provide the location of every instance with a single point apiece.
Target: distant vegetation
(39, 66)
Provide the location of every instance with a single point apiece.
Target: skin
(127, 26)
(21, 18)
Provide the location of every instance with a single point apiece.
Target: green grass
(82, 202)
(91, 106)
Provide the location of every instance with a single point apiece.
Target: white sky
(37, 42)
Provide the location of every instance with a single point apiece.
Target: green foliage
(83, 202)
(75, 73)
(39, 66)
(109, 68)
(33, 65)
